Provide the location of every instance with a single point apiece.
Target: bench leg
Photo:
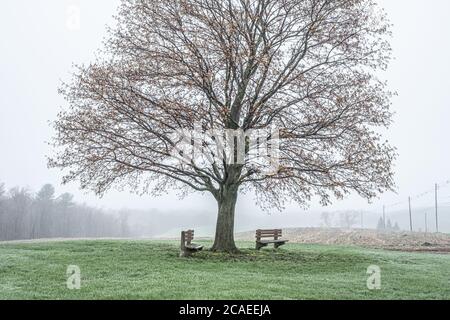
(277, 245)
(185, 253)
(260, 245)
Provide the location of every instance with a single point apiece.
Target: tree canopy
(305, 67)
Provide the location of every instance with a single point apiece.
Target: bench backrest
(187, 237)
(272, 233)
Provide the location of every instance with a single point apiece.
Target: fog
(40, 44)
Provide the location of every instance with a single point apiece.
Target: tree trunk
(224, 240)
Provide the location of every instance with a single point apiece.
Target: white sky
(37, 51)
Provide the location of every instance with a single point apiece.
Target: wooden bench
(187, 247)
(275, 234)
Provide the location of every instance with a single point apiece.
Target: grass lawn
(152, 270)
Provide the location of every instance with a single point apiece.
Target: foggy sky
(37, 50)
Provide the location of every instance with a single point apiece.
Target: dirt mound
(405, 241)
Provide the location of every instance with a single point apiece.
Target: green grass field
(152, 270)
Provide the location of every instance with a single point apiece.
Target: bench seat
(194, 247)
(272, 241)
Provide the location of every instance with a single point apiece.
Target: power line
(437, 204)
(441, 185)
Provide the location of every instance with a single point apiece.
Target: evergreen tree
(389, 225)
(380, 225)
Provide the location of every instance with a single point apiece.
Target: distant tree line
(387, 226)
(344, 219)
(349, 219)
(25, 215)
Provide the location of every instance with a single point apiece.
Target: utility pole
(410, 214)
(426, 222)
(362, 220)
(384, 217)
(436, 205)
